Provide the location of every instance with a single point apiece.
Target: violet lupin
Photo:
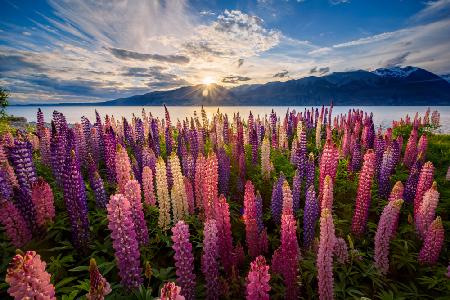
(325, 255)
(385, 232)
(147, 186)
(110, 154)
(224, 171)
(125, 243)
(411, 182)
(296, 190)
(75, 200)
(276, 205)
(386, 169)
(210, 255)
(184, 260)
(310, 171)
(22, 160)
(26, 207)
(99, 190)
(310, 215)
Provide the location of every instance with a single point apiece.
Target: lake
(383, 115)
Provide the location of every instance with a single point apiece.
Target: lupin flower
(355, 164)
(210, 189)
(224, 171)
(210, 256)
(147, 186)
(9, 174)
(422, 147)
(28, 279)
(311, 213)
(133, 194)
(6, 188)
(110, 142)
(99, 287)
(432, 245)
(163, 195)
(319, 133)
(287, 199)
(99, 190)
(411, 183)
(328, 164)
(276, 205)
(424, 184)
(363, 196)
(411, 149)
(224, 231)
(123, 168)
(265, 158)
(379, 149)
(251, 224)
(385, 232)
(170, 291)
(16, 228)
(178, 193)
(76, 202)
(42, 197)
(296, 190)
(325, 255)
(310, 171)
(285, 258)
(340, 250)
(259, 211)
(189, 194)
(125, 242)
(327, 198)
(26, 207)
(198, 181)
(258, 278)
(387, 166)
(397, 191)
(184, 260)
(427, 210)
(22, 160)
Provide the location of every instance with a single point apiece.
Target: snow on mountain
(397, 72)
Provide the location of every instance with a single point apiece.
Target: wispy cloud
(235, 79)
(126, 54)
(281, 74)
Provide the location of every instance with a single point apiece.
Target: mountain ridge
(384, 86)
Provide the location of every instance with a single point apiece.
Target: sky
(97, 50)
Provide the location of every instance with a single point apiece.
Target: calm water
(383, 115)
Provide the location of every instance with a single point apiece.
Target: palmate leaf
(143, 293)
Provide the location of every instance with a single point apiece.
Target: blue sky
(78, 51)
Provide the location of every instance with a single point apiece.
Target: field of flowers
(305, 205)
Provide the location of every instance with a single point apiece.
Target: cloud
(207, 13)
(16, 62)
(240, 62)
(320, 51)
(235, 79)
(281, 74)
(435, 10)
(397, 60)
(202, 48)
(126, 54)
(367, 40)
(320, 71)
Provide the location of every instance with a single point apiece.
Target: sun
(208, 80)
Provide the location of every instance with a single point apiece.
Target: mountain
(385, 86)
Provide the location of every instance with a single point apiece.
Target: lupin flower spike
(28, 279)
(325, 255)
(210, 265)
(432, 245)
(99, 287)
(258, 278)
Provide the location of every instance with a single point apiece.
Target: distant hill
(385, 86)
